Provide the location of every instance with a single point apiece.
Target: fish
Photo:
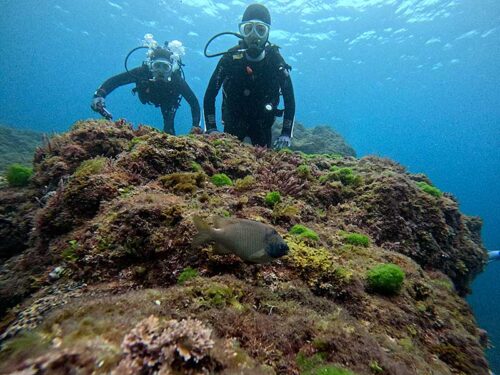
(250, 240)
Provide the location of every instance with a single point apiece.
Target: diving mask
(258, 28)
(161, 68)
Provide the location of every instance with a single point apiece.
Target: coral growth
(154, 346)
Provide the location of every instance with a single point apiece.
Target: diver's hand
(196, 130)
(99, 105)
(282, 142)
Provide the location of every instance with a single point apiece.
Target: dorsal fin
(221, 222)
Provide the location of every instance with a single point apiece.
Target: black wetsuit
(248, 87)
(165, 95)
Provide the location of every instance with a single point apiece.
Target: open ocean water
(417, 81)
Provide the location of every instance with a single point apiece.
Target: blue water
(415, 80)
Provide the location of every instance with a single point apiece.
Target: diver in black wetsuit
(251, 76)
(159, 82)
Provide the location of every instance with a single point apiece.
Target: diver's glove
(283, 141)
(99, 105)
(196, 130)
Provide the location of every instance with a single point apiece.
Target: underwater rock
(317, 140)
(120, 220)
(17, 209)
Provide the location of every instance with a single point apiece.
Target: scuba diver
(159, 81)
(493, 255)
(252, 76)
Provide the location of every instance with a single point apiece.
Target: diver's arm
(168, 113)
(213, 88)
(289, 100)
(120, 80)
(190, 97)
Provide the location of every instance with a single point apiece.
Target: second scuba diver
(252, 75)
(159, 81)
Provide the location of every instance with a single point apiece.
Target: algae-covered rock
(99, 275)
(317, 140)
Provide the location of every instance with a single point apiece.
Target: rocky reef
(320, 139)
(98, 274)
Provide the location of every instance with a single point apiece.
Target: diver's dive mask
(161, 68)
(259, 28)
(255, 34)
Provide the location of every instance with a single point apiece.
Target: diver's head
(162, 64)
(254, 27)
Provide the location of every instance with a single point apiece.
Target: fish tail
(204, 232)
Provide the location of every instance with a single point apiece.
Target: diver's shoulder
(141, 71)
(273, 48)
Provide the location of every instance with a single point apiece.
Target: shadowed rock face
(97, 273)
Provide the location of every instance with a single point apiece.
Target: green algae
(312, 263)
(70, 253)
(304, 171)
(345, 175)
(91, 167)
(386, 278)
(429, 189)
(329, 370)
(221, 179)
(217, 295)
(286, 211)
(375, 367)
(196, 167)
(183, 182)
(356, 239)
(187, 274)
(309, 363)
(316, 365)
(24, 345)
(245, 183)
(304, 232)
(272, 198)
(18, 175)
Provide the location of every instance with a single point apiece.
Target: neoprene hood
(257, 12)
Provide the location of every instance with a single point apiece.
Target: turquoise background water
(415, 80)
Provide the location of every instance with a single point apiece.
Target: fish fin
(221, 222)
(221, 249)
(260, 256)
(204, 232)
